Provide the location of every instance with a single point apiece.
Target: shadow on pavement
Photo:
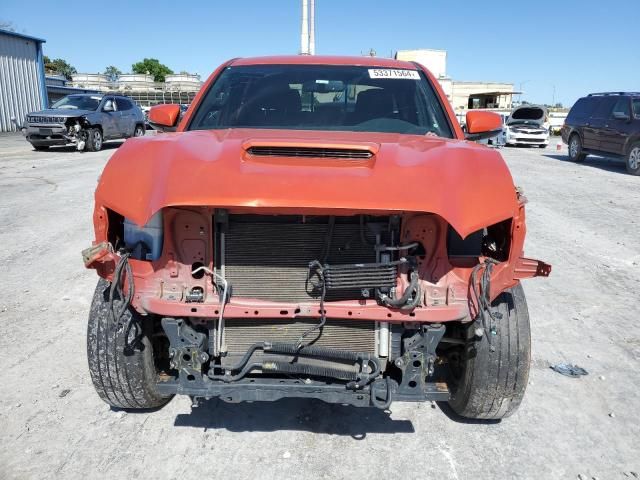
(293, 414)
(108, 145)
(448, 411)
(603, 163)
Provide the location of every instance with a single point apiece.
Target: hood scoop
(310, 149)
(310, 152)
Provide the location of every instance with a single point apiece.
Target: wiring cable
(225, 298)
(121, 321)
(483, 298)
(315, 267)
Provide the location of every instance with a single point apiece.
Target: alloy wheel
(573, 148)
(97, 140)
(634, 158)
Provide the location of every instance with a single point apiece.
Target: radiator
(240, 334)
(268, 258)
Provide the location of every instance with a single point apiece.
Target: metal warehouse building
(22, 82)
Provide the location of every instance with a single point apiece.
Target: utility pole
(304, 29)
(312, 27)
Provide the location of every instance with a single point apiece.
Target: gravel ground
(581, 218)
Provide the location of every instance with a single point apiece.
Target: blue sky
(572, 45)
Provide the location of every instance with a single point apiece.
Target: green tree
(112, 73)
(59, 66)
(152, 66)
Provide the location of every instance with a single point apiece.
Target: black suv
(605, 124)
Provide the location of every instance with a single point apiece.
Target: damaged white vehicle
(84, 120)
(527, 125)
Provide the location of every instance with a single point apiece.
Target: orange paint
(164, 115)
(479, 122)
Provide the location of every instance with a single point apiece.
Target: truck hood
(467, 184)
(61, 112)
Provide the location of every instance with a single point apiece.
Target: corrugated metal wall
(20, 80)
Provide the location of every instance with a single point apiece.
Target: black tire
(632, 160)
(139, 131)
(40, 148)
(123, 379)
(94, 140)
(576, 154)
(491, 384)
(542, 146)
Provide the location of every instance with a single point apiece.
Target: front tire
(40, 148)
(139, 131)
(489, 384)
(633, 159)
(122, 378)
(94, 140)
(575, 149)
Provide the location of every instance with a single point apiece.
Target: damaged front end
(357, 308)
(49, 130)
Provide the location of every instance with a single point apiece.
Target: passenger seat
(372, 104)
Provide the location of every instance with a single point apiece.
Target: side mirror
(481, 125)
(164, 117)
(108, 106)
(621, 116)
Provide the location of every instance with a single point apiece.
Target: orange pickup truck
(312, 227)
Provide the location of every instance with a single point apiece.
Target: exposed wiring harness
(483, 298)
(117, 313)
(316, 268)
(225, 298)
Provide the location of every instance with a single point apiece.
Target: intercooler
(268, 258)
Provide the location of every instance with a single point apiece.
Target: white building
(462, 95)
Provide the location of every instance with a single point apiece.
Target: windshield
(321, 97)
(78, 102)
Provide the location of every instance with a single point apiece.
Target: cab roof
(325, 60)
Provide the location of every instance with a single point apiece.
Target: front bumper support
(272, 389)
(366, 385)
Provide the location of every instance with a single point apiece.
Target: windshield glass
(321, 97)
(78, 102)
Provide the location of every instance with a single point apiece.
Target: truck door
(617, 128)
(596, 124)
(109, 118)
